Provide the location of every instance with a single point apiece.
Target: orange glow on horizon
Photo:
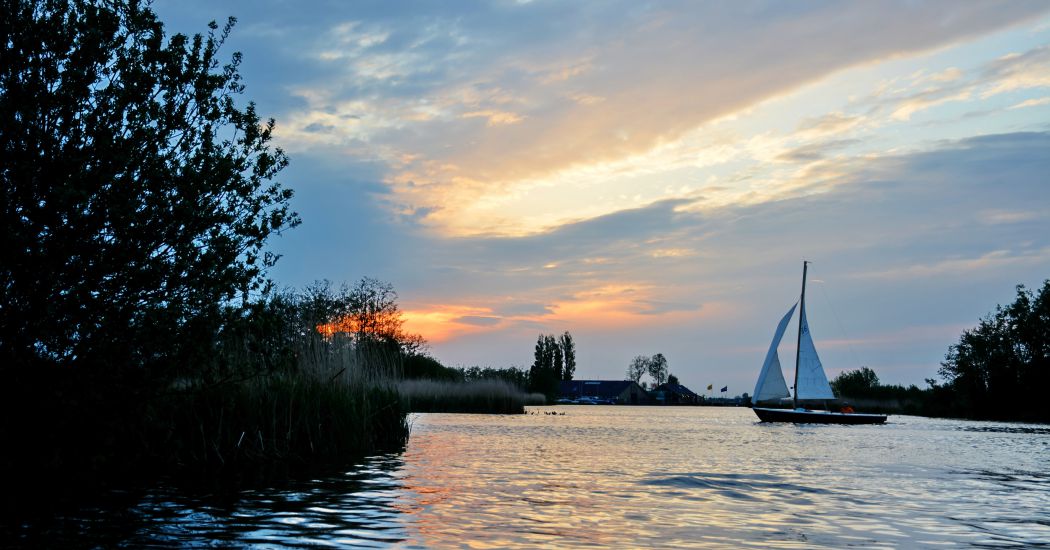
(607, 307)
(444, 322)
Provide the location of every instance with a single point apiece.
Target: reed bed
(330, 398)
(281, 396)
(263, 395)
(480, 396)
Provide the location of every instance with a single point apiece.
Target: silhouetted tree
(657, 369)
(568, 350)
(518, 377)
(543, 376)
(1001, 368)
(554, 359)
(369, 312)
(862, 382)
(637, 368)
(423, 366)
(672, 379)
(136, 195)
(557, 359)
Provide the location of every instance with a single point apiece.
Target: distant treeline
(554, 361)
(429, 386)
(999, 370)
(419, 366)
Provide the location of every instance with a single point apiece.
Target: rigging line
(842, 330)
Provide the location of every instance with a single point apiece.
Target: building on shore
(675, 394)
(619, 392)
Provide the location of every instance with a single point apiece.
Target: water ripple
(615, 477)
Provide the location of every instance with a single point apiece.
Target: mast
(801, 318)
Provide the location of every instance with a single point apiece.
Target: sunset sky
(650, 176)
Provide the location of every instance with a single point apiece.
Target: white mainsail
(812, 382)
(771, 383)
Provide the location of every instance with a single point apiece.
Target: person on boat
(846, 409)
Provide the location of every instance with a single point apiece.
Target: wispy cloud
(996, 259)
(587, 96)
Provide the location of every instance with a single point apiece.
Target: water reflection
(364, 507)
(624, 477)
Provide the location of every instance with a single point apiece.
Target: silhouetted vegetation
(862, 382)
(568, 350)
(424, 367)
(137, 196)
(277, 395)
(478, 396)
(998, 370)
(1001, 368)
(432, 387)
(554, 359)
(513, 375)
(861, 389)
(655, 367)
(138, 332)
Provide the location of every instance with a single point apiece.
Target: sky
(650, 176)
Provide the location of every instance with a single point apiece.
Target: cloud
(1018, 71)
(1036, 102)
(996, 216)
(1008, 73)
(494, 117)
(649, 176)
(523, 310)
(938, 204)
(816, 151)
(994, 260)
(571, 93)
(829, 124)
(478, 320)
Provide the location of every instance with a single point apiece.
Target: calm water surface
(607, 476)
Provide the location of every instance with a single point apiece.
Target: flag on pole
(725, 389)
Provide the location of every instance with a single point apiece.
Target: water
(609, 476)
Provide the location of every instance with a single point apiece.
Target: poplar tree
(568, 350)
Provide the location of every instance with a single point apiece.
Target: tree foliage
(1001, 368)
(655, 366)
(554, 359)
(568, 349)
(998, 369)
(855, 383)
(418, 366)
(637, 368)
(658, 369)
(368, 311)
(514, 375)
(136, 195)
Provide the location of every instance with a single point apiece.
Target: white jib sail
(812, 382)
(770, 383)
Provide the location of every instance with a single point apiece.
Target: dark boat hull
(816, 417)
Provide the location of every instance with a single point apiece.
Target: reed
(331, 397)
(481, 396)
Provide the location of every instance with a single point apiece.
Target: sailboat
(811, 384)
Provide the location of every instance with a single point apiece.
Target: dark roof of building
(676, 388)
(596, 388)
